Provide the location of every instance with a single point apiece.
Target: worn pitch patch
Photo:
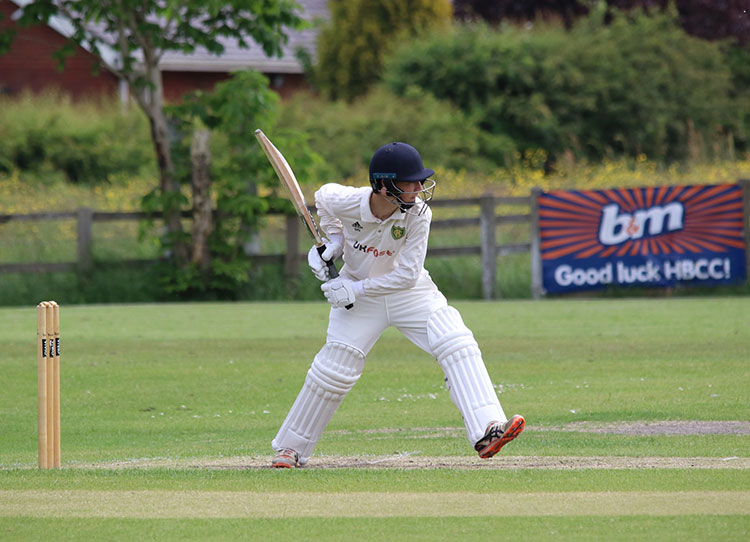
(656, 428)
(406, 461)
(246, 504)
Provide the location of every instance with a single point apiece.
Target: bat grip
(332, 271)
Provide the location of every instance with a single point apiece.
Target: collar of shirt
(366, 212)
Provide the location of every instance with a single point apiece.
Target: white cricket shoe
(285, 459)
(498, 435)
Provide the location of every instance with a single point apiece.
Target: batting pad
(468, 382)
(334, 371)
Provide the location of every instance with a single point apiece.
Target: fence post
(537, 289)
(488, 245)
(84, 251)
(291, 257)
(745, 184)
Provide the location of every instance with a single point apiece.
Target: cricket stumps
(48, 381)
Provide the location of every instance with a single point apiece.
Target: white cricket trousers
(352, 334)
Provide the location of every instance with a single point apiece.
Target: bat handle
(332, 271)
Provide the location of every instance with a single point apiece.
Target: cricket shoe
(285, 459)
(498, 435)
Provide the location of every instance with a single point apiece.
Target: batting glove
(317, 261)
(342, 292)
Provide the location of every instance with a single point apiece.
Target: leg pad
(334, 371)
(468, 382)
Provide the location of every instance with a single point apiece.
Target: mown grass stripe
(246, 504)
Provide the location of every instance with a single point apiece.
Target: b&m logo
(642, 236)
(617, 226)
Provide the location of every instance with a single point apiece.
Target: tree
(140, 32)
(229, 115)
(360, 32)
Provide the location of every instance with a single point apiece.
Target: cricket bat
(287, 178)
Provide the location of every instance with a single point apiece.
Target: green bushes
(638, 85)
(346, 135)
(49, 137)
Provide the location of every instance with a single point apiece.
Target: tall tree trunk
(202, 219)
(170, 188)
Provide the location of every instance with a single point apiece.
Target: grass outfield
(637, 412)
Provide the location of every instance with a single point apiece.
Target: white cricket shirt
(388, 255)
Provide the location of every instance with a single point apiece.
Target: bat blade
(287, 178)
(289, 181)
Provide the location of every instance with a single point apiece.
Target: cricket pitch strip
(406, 461)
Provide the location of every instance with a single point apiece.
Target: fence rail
(487, 220)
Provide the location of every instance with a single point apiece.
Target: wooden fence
(487, 220)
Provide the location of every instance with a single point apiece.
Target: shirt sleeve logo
(397, 233)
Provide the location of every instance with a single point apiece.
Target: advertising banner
(653, 236)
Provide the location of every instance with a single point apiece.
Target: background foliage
(636, 85)
(229, 114)
(360, 32)
(616, 100)
(47, 137)
(475, 98)
(345, 134)
(139, 33)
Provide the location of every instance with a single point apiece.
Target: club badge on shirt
(397, 233)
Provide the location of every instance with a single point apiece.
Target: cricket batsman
(381, 231)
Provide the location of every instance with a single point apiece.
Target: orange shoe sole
(515, 427)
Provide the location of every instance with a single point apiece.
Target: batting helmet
(399, 162)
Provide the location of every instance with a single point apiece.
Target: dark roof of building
(235, 58)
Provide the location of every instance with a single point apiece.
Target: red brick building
(29, 64)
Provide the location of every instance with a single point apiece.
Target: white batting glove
(317, 261)
(342, 292)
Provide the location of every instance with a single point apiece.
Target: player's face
(410, 190)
